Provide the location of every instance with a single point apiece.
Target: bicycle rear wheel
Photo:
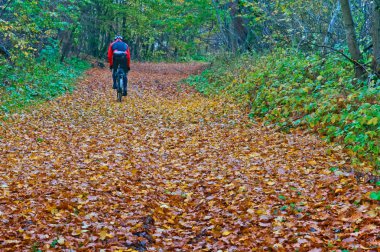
(119, 95)
(119, 89)
(126, 86)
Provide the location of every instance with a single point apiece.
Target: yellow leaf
(26, 237)
(251, 211)
(61, 240)
(11, 241)
(53, 210)
(242, 189)
(338, 190)
(254, 154)
(164, 206)
(103, 235)
(312, 162)
(87, 161)
(34, 156)
(104, 168)
(76, 232)
(260, 211)
(271, 183)
(372, 213)
(225, 233)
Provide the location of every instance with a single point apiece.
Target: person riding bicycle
(119, 55)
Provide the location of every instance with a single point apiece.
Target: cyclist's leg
(126, 78)
(123, 64)
(116, 63)
(114, 77)
(125, 81)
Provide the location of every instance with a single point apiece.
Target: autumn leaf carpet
(170, 170)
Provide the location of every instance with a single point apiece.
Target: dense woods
(178, 29)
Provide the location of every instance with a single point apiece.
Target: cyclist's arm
(128, 58)
(110, 55)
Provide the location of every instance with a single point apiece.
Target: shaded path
(168, 168)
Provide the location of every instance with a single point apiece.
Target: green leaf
(333, 169)
(283, 208)
(54, 243)
(375, 195)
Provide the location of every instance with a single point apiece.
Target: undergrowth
(291, 89)
(34, 80)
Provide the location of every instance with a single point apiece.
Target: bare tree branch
(356, 63)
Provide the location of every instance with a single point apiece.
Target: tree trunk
(376, 37)
(351, 38)
(240, 32)
(331, 24)
(220, 23)
(67, 43)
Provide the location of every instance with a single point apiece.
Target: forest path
(168, 168)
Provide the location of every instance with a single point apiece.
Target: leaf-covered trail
(168, 168)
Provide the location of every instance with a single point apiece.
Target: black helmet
(118, 37)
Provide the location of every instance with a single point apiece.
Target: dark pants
(114, 75)
(122, 62)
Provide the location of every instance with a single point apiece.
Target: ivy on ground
(290, 89)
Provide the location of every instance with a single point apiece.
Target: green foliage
(30, 31)
(28, 26)
(33, 80)
(155, 30)
(54, 243)
(290, 89)
(375, 195)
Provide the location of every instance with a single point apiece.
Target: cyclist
(119, 54)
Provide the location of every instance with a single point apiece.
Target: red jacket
(119, 45)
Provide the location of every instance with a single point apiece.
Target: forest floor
(169, 168)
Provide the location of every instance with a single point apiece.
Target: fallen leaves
(104, 234)
(171, 170)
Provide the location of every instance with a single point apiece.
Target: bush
(292, 89)
(32, 80)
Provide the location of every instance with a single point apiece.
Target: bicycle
(120, 76)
